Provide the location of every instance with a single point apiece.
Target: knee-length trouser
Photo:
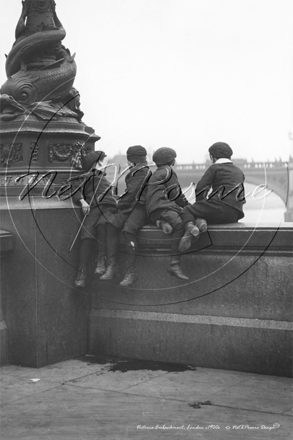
(213, 211)
(174, 218)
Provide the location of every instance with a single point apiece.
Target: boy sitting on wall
(131, 215)
(224, 204)
(95, 198)
(164, 203)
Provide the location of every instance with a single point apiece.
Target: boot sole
(185, 278)
(126, 285)
(109, 278)
(203, 228)
(96, 272)
(167, 229)
(190, 236)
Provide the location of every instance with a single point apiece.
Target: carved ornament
(66, 152)
(10, 153)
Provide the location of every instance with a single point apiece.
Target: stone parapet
(233, 313)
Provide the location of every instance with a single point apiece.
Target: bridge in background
(277, 176)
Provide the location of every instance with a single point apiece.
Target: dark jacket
(88, 184)
(136, 182)
(164, 191)
(226, 181)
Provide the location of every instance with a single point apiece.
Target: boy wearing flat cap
(224, 204)
(131, 215)
(92, 193)
(164, 204)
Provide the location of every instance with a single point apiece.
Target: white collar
(223, 160)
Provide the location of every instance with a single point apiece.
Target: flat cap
(91, 158)
(221, 149)
(164, 155)
(136, 150)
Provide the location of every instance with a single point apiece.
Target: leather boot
(81, 277)
(175, 270)
(201, 224)
(164, 226)
(101, 264)
(111, 271)
(191, 234)
(130, 277)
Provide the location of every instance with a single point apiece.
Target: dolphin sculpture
(50, 82)
(38, 67)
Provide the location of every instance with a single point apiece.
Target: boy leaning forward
(131, 215)
(164, 204)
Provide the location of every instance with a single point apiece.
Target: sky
(180, 73)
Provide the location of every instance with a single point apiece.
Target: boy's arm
(205, 183)
(78, 183)
(133, 188)
(174, 191)
(182, 200)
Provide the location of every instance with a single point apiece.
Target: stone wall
(234, 312)
(6, 247)
(46, 317)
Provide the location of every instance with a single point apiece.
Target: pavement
(94, 397)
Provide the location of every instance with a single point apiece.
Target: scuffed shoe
(101, 264)
(164, 226)
(81, 277)
(129, 279)
(201, 224)
(111, 272)
(191, 235)
(175, 271)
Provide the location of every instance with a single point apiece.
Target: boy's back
(164, 191)
(226, 181)
(219, 195)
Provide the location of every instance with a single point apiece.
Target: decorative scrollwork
(66, 153)
(10, 153)
(35, 151)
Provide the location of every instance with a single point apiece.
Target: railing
(246, 165)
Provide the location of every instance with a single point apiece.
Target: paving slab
(63, 371)
(84, 400)
(271, 394)
(115, 381)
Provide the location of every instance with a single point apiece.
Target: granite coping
(6, 241)
(245, 237)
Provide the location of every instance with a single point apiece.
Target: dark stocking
(84, 251)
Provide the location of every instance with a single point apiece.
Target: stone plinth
(6, 246)
(46, 317)
(38, 148)
(233, 313)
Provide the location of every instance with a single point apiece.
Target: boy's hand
(85, 207)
